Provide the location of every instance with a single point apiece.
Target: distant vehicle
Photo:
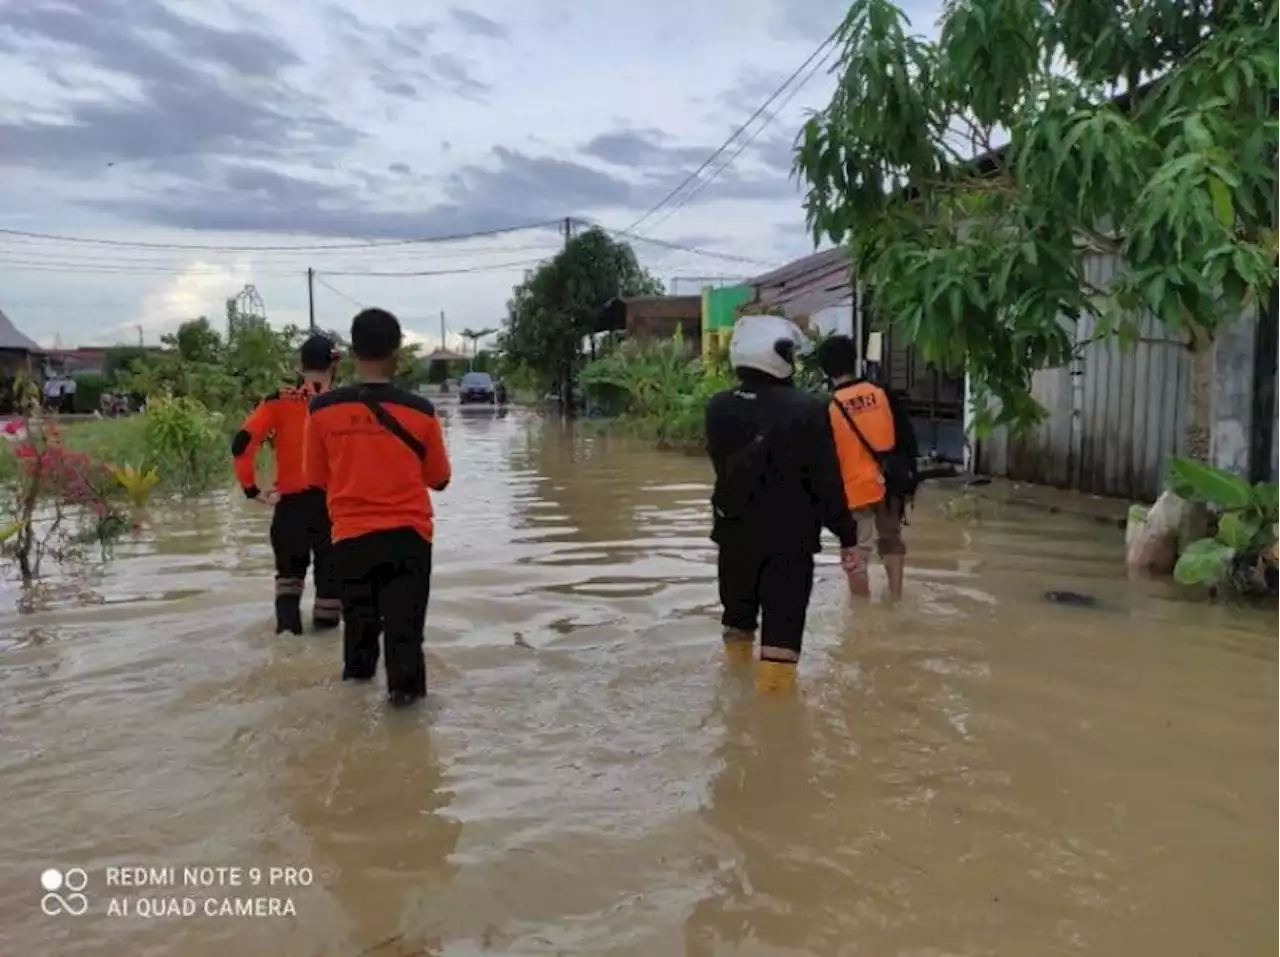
(476, 388)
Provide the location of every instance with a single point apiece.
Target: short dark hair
(837, 356)
(375, 334)
(317, 354)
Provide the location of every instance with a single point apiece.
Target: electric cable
(338, 292)
(492, 267)
(769, 118)
(367, 244)
(736, 133)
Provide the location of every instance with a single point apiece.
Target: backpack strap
(392, 425)
(875, 453)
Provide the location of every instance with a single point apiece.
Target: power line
(735, 134)
(677, 247)
(338, 292)
(367, 244)
(22, 246)
(493, 267)
(768, 119)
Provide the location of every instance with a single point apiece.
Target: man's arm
(826, 484)
(436, 468)
(246, 442)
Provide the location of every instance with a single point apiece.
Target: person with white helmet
(777, 485)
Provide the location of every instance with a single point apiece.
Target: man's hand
(852, 560)
(268, 496)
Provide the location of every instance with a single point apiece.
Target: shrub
(89, 389)
(661, 391)
(1242, 552)
(59, 500)
(186, 443)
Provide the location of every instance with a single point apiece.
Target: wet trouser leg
(291, 544)
(786, 583)
(327, 611)
(738, 576)
(385, 582)
(405, 593)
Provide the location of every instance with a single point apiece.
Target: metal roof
(14, 340)
(807, 285)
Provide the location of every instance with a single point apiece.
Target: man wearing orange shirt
(300, 523)
(376, 450)
(877, 452)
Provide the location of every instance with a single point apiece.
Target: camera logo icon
(72, 881)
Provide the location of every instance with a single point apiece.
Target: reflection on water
(974, 771)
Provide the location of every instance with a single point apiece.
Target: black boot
(326, 614)
(289, 605)
(288, 615)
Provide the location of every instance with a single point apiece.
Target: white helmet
(768, 344)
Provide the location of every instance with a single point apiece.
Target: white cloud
(200, 289)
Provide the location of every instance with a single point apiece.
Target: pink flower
(13, 427)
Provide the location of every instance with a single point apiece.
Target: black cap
(318, 353)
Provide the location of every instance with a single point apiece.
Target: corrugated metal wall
(1115, 417)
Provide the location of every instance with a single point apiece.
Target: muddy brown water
(973, 772)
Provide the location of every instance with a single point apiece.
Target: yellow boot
(739, 646)
(776, 676)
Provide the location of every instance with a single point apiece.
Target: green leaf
(1198, 482)
(1236, 531)
(1223, 208)
(1204, 562)
(1266, 499)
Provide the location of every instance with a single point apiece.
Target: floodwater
(972, 772)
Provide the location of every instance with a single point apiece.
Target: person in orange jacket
(876, 449)
(378, 450)
(300, 532)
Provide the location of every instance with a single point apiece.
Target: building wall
(1116, 415)
(719, 309)
(660, 317)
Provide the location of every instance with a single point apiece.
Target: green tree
(555, 308)
(1140, 131)
(195, 341)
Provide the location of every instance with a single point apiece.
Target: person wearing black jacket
(777, 485)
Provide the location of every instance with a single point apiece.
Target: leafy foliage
(983, 262)
(59, 502)
(658, 386)
(1246, 525)
(186, 443)
(556, 307)
(222, 375)
(662, 391)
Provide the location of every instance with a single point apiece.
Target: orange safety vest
(868, 405)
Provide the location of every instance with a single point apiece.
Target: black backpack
(898, 464)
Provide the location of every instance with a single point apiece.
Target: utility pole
(442, 345)
(139, 337)
(311, 296)
(568, 229)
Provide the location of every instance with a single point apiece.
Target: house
(16, 350)
(644, 318)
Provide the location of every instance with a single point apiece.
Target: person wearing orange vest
(877, 463)
(300, 530)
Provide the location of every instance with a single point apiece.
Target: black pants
(386, 583)
(299, 536)
(768, 589)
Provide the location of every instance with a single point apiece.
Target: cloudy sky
(153, 125)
